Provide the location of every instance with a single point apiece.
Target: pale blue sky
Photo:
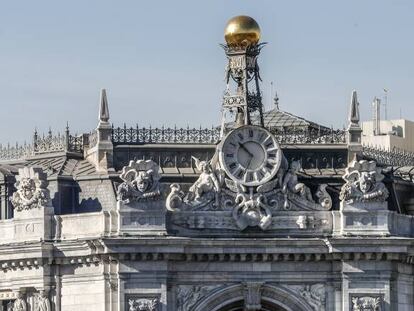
(161, 63)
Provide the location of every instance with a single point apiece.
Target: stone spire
(354, 129)
(100, 153)
(354, 110)
(103, 108)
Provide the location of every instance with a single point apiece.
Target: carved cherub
(210, 180)
(291, 183)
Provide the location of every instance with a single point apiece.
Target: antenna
(271, 94)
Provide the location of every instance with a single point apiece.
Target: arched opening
(239, 306)
(273, 298)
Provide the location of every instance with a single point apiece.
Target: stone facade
(137, 221)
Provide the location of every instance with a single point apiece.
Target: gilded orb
(242, 30)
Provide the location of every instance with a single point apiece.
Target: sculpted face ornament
(27, 186)
(140, 181)
(31, 189)
(366, 181)
(363, 183)
(143, 181)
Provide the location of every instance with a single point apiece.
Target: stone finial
(354, 109)
(354, 129)
(103, 108)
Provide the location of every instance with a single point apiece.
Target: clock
(250, 155)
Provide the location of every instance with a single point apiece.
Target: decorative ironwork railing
(287, 136)
(15, 152)
(131, 135)
(49, 143)
(45, 144)
(394, 157)
(136, 135)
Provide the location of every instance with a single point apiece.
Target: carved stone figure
(141, 181)
(143, 304)
(42, 302)
(209, 182)
(363, 183)
(189, 295)
(291, 183)
(366, 303)
(313, 294)
(19, 304)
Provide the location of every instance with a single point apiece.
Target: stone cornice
(98, 251)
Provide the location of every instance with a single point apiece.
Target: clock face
(250, 155)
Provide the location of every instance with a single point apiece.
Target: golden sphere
(242, 30)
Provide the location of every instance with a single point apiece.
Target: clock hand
(245, 149)
(248, 163)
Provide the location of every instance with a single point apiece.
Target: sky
(161, 63)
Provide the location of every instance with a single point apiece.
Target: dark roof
(63, 166)
(280, 118)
